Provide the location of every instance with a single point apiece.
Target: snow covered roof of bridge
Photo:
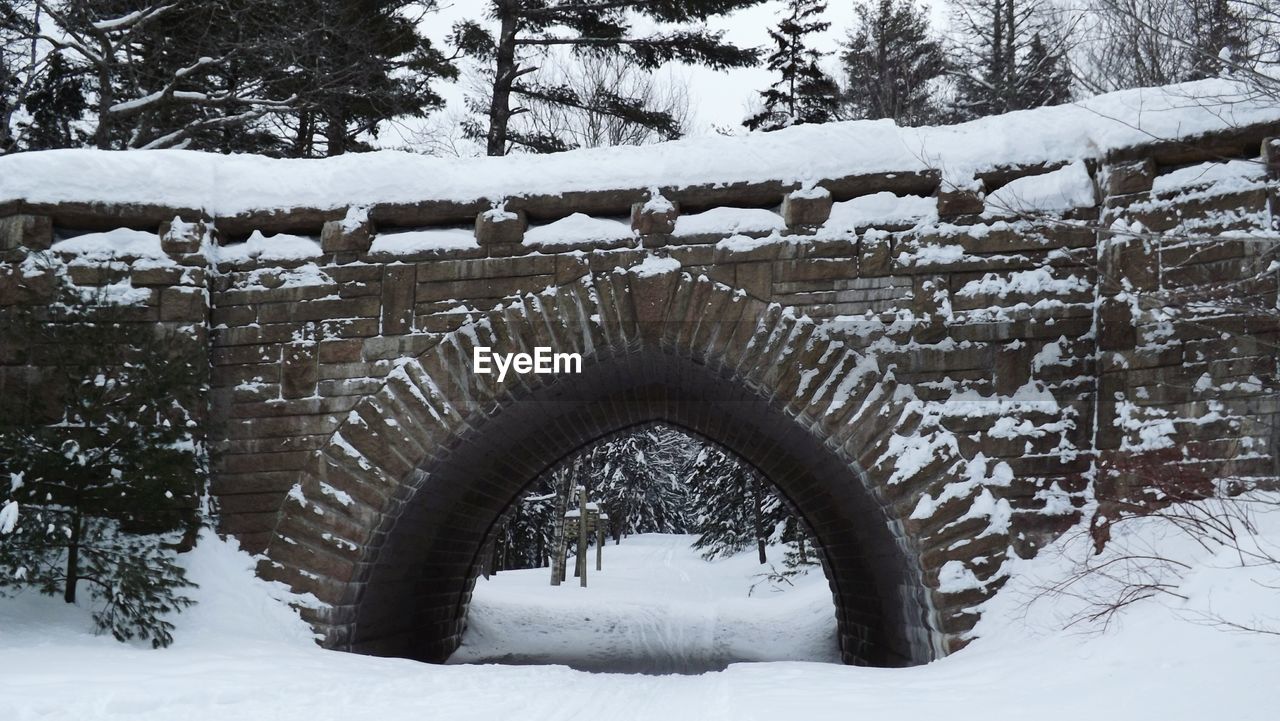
(228, 185)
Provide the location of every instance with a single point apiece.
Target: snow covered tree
(639, 479)
(528, 29)
(803, 93)
(302, 77)
(104, 466)
(891, 64)
(1010, 55)
(727, 505)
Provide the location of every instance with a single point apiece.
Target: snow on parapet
(225, 185)
(276, 247)
(578, 228)
(1062, 189)
(653, 265)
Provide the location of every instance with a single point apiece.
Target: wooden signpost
(592, 521)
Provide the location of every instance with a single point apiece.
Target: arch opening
(414, 595)
(698, 562)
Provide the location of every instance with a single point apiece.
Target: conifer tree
(103, 466)
(1011, 55)
(530, 28)
(803, 93)
(891, 64)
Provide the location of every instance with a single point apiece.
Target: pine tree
(891, 64)
(639, 481)
(995, 69)
(803, 92)
(104, 466)
(282, 77)
(1217, 27)
(530, 28)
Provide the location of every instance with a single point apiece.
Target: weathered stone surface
(497, 227)
(654, 216)
(179, 237)
(955, 200)
(354, 233)
(317, 358)
(806, 208)
(33, 232)
(1129, 177)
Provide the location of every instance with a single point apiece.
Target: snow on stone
(955, 577)
(744, 243)
(420, 241)
(578, 228)
(727, 221)
(1036, 281)
(879, 208)
(653, 265)
(276, 247)
(657, 203)
(810, 192)
(932, 255)
(1058, 190)
(121, 242)
(233, 184)
(1231, 175)
(356, 217)
(308, 274)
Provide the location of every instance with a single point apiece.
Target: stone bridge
(939, 375)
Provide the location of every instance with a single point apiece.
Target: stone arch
(387, 524)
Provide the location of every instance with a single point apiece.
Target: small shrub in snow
(104, 467)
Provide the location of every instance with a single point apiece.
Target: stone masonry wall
(1023, 351)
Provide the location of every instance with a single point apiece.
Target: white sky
(717, 97)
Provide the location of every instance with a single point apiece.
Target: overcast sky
(718, 97)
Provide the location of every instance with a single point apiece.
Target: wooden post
(599, 543)
(582, 535)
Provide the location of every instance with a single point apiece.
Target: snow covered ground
(241, 655)
(657, 607)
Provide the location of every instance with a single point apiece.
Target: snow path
(657, 607)
(240, 655)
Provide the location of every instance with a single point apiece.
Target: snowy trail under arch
(242, 655)
(657, 607)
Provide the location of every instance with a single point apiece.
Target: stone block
(499, 227)
(807, 208)
(1132, 177)
(655, 216)
(299, 372)
(179, 238)
(1271, 157)
(352, 234)
(956, 199)
(34, 232)
(1116, 329)
(398, 283)
(183, 304)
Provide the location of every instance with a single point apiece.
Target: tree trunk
(558, 535)
(504, 77)
(73, 559)
(757, 502)
(106, 98)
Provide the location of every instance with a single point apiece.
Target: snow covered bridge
(938, 343)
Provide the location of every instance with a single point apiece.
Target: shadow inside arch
(413, 599)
